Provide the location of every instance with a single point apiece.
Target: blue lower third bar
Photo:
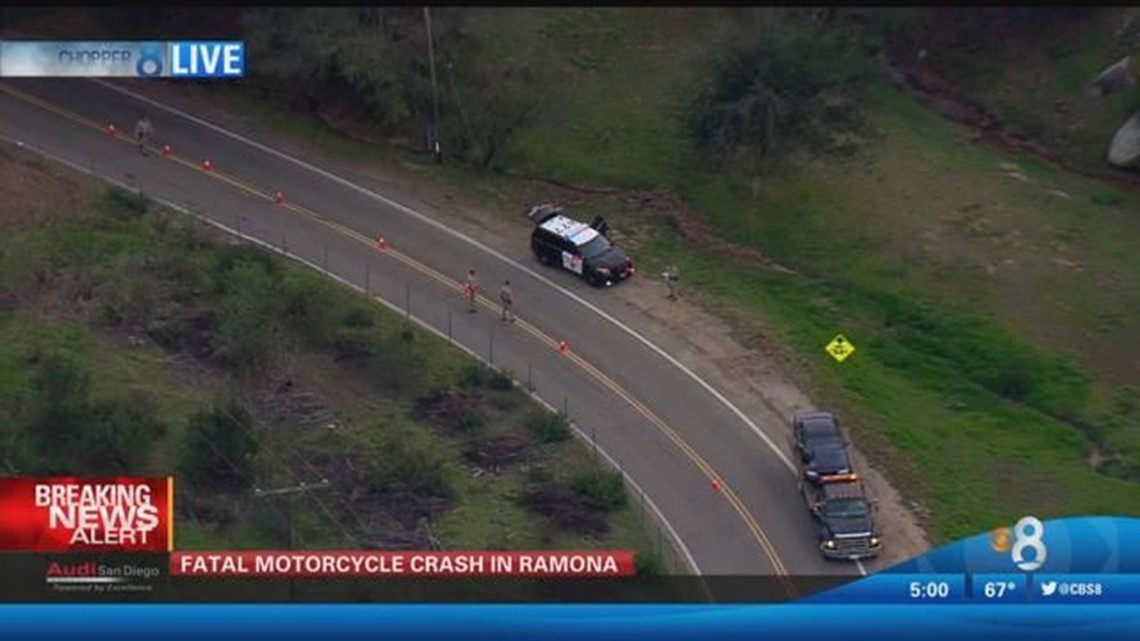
(1085, 588)
(898, 588)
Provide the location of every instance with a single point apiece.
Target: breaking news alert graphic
(68, 514)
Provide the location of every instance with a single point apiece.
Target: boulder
(1115, 77)
(1124, 151)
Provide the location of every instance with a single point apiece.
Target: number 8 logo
(1027, 534)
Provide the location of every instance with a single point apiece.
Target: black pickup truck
(846, 519)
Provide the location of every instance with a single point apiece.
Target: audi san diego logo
(94, 576)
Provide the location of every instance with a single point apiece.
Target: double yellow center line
(716, 482)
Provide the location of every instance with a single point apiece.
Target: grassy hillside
(126, 333)
(990, 295)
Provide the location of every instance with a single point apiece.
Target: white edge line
(455, 234)
(392, 306)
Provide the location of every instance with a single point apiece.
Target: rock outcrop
(1117, 76)
(1124, 151)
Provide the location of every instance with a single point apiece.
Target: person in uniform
(143, 131)
(672, 275)
(508, 300)
(471, 291)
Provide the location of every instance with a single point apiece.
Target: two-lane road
(722, 482)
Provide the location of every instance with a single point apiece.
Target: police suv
(561, 241)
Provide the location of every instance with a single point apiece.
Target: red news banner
(418, 564)
(133, 514)
(69, 514)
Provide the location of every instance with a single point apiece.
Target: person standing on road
(508, 300)
(471, 291)
(672, 275)
(143, 131)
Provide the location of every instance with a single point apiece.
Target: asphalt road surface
(720, 479)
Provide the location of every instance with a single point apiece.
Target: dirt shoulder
(748, 367)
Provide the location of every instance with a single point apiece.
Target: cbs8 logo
(1027, 534)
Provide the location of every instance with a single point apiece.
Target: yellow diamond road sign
(840, 348)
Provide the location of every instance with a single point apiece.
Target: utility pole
(292, 492)
(434, 91)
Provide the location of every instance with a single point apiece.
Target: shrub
(547, 427)
(405, 456)
(220, 447)
(602, 489)
(1106, 198)
(227, 259)
(311, 309)
(506, 401)
(500, 381)
(473, 375)
(647, 564)
(396, 364)
(1014, 380)
(59, 404)
(359, 317)
(132, 297)
(248, 317)
(117, 437)
(472, 421)
(124, 204)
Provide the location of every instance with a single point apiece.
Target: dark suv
(560, 241)
(821, 445)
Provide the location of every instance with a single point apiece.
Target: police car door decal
(572, 262)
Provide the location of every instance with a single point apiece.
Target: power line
(348, 538)
(292, 492)
(434, 91)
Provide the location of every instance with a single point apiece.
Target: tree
(791, 88)
(490, 105)
(374, 55)
(377, 59)
(220, 447)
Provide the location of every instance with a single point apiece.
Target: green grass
(974, 460)
(907, 233)
(628, 81)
